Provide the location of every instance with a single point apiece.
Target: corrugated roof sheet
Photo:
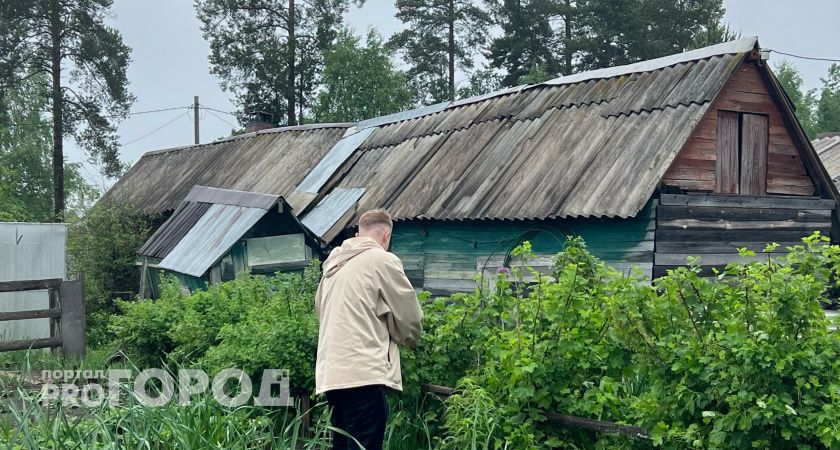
(194, 207)
(331, 209)
(210, 238)
(269, 161)
(173, 230)
(591, 144)
(827, 146)
(337, 155)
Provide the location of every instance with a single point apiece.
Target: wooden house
(697, 153)
(216, 234)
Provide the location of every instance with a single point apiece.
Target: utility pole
(195, 117)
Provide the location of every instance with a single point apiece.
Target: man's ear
(357, 234)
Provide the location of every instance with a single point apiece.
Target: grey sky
(169, 59)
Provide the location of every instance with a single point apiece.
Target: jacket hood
(349, 249)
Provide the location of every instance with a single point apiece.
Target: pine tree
(442, 37)
(527, 39)
(268, 53)
(81, 63)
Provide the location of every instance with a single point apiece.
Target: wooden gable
(778, 172)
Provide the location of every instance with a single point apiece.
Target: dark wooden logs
(564, 420)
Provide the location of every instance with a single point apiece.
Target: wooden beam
(25, 344)
(29, 285)
(34, 314)
(746, 201)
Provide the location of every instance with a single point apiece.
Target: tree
(828, 107)
(359, 82)
(442, 36)
(804, 102)
(527, 39)
(66, 46)
(481, 81)
(268, 53)
(25, 158)
(625, 31)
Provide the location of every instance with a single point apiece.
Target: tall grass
(26, 422)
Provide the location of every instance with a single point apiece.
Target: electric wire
(164, 125)
(811, 58)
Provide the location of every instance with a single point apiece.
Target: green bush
(744, 360)
(102, 246)
(253, 323)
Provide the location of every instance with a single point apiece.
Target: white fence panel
(30, 251)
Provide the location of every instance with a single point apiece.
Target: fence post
(72, 303)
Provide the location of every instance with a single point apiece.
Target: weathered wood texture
(695, 167)
(66, 313)
(714, 227)
(446, 257)
(753, 154)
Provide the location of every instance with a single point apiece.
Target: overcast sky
(169, 60)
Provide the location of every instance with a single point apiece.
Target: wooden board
(745, 92)
(727, 167)
(754, 154)
(715, 227)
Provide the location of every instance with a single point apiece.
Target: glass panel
(274, 250)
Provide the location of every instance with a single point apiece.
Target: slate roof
(591, 144)
(827, 146)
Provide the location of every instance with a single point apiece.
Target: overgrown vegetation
(101, 247)
(745, 359)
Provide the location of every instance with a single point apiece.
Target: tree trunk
(567, 49)
(290, 89)
(58, 119)
(451, 48)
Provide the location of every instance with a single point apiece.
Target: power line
(804, 57)
(219, 117)
(219, 111)
(156, 129)
(137, 113)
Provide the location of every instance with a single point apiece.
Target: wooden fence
(66, 313)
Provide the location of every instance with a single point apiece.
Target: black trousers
(361, 412)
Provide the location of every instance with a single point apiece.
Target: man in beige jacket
(366, 307)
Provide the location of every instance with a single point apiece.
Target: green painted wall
(444, 257)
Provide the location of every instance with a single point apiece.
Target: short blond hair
(375, 218)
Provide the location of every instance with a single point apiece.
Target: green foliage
(267, 64)
(804, 102)
(78, 64)
(567, 36)
(536, 74)
(440, 38)
(102, 245)
(26, 185)
(527, 39)
(828, 107)
(359, 81)
(253, 323)
(745, 360)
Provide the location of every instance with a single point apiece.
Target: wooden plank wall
(713, 227)
(445, 256)
(746, 92)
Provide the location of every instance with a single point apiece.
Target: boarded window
(741, 166)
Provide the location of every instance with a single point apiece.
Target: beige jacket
(366, 306)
